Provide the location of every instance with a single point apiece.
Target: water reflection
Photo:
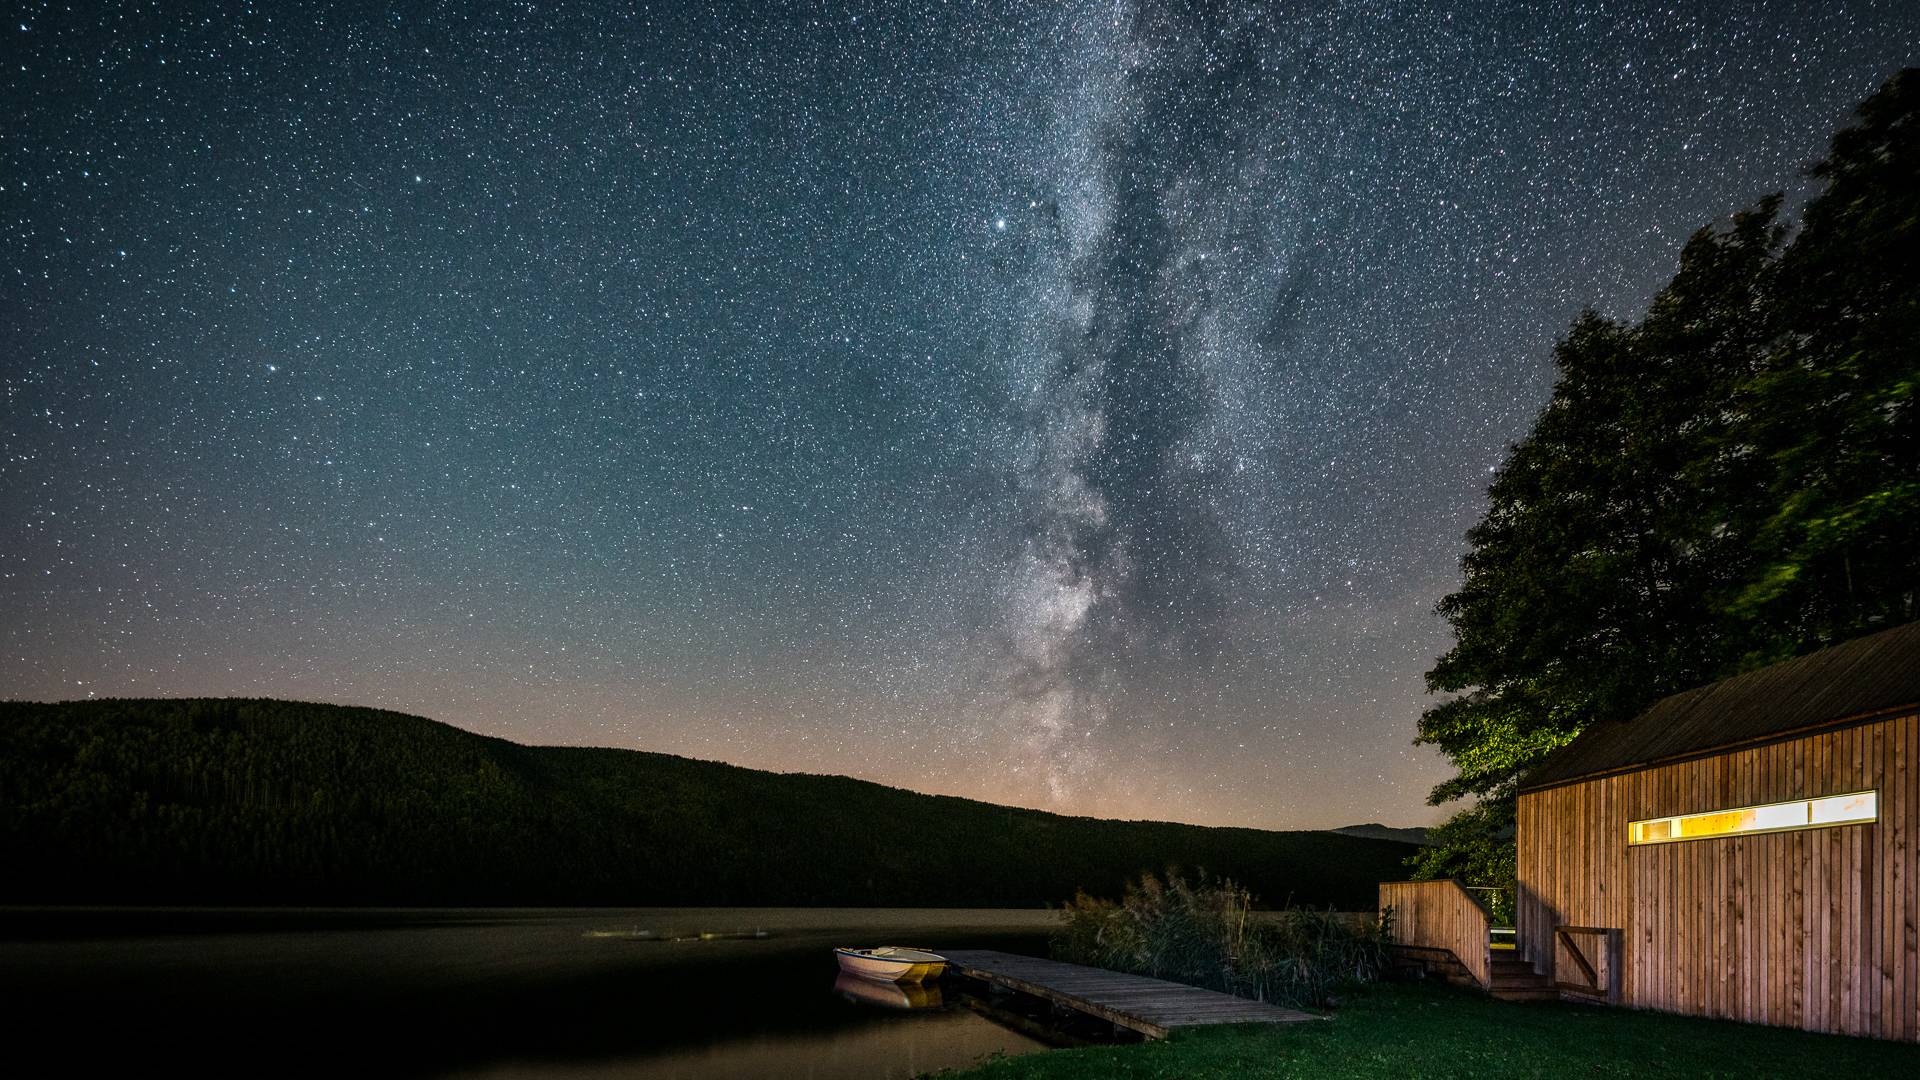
(898, 1048)
(888, 995)
(490, 993)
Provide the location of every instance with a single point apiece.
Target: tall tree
(1729, 481)
(1835, 412)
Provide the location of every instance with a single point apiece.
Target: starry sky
(1077, 405)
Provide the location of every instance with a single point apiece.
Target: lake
(499, 993)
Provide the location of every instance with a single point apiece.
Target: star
(1284, 285)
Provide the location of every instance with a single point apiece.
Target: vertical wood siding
(1439, 915)
(1816, 929)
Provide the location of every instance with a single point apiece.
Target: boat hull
(889, 969)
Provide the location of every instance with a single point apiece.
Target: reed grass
(1208, 933)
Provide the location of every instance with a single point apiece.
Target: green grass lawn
(1404, 1031)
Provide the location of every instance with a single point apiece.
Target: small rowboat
(887, 995)
(892, 964)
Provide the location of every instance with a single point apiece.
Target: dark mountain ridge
(1411, 835)
(260, 801)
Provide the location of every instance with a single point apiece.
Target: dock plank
(1153, 1007)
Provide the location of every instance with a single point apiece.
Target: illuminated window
(1775, 817)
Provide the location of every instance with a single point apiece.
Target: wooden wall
(1439, 915)
(1816, 929)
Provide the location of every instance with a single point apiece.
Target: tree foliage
(1731, 481)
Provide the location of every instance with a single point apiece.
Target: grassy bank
(1403, 1032)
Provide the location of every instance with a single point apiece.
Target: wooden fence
(1440, 915)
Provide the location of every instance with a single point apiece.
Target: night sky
(1078, 406)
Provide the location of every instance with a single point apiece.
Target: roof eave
(1768, 739)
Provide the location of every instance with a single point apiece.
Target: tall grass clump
(1207, 933)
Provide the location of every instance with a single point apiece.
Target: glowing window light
(1849, 809)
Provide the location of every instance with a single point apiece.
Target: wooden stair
(1419, 961)
(1512, 978)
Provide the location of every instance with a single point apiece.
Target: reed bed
(1208, 933)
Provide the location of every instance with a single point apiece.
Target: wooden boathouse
(1746, 850)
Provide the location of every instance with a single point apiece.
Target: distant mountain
(243, 801)
(1373, 830)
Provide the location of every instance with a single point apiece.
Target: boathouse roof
(1855, 681)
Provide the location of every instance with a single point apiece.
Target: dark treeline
(1730, 481)
(232, 801)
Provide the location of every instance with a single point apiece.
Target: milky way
(1140, 407)
(1072, 405)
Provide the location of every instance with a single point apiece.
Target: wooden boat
(887, 995)
(892, 964)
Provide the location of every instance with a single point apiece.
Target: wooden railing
(1586, 960)
(1440, 915)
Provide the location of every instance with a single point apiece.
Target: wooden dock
(1153, 1007)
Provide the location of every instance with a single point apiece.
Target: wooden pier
(1153, 1007)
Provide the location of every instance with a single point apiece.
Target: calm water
(495, 993)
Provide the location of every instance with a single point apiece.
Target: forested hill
(239, 801)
